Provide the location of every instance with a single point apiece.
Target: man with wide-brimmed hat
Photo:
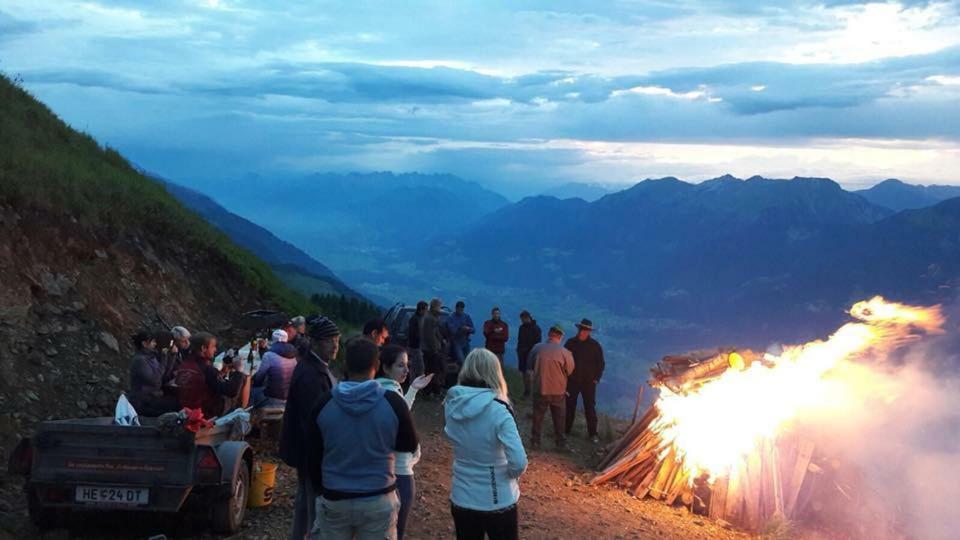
(588, 359)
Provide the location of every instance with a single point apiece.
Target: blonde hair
(483, 367)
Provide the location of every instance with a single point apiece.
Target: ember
(723, 437)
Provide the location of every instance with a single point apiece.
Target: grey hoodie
(360, 426)
(488, 454)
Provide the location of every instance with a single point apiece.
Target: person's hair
(482, 368)
(525, 313)
(494, 309)
(179, 332)
(376, 325)
(201, 340)
(422, 306)
(436, 303)
(460, 304)
(363, 355)
(389, 356)
(140, 337)
(163, 337)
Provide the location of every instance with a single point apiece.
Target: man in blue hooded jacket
(355, 476)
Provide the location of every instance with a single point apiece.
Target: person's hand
(174, 349)
(422, 381)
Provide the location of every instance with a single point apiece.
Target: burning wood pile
(725, 436)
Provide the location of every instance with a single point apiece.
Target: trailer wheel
(42, 518)
(228, 513)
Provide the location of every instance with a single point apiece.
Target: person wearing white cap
(271, 382)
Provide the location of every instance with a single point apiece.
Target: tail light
(208, 466)
(21, 460)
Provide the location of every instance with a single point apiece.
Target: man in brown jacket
(552, 366)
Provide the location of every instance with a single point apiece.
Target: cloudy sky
(514, 92)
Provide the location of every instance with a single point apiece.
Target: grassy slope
(46, 165)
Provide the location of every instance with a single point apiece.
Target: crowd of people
(349, 432)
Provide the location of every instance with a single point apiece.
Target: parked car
(91, 465)
(398, 318)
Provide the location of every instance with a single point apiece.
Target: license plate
(112, 495)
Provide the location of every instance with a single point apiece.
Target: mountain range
(290, 263)
(897, 195)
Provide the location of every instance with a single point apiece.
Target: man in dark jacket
(497, 332)
(529, 335)
(357, 428)
(200, 385)
(311, 379)
(413, 341)
(588, 358)
(431, 342)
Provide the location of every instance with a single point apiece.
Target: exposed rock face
(70, 296)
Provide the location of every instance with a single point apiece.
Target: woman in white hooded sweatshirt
(393, 371)
(488, 454)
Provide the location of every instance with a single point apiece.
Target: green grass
(46, 165)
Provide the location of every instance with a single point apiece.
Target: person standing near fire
(552, 366)
(497, 332)
(588, 357)
(528, 338)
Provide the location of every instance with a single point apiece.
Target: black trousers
(436, 363)
(474, 524)
(589, 391)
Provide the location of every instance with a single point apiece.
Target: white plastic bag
(125, 414)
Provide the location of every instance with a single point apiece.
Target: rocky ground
(555, 503)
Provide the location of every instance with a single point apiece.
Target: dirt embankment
(69, 298)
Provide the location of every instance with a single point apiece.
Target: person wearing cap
(497, 332)
(431, 342)
(459, 328)
(588, 355)
(552, 366)
(311, 379)
(271, 382)
(528, 337)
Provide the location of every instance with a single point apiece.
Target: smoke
(893, 464)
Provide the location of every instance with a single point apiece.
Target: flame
(714, 426)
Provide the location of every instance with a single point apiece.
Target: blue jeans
(459, 351)
(407, 490)
(368, 518)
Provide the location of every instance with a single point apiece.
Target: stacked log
(764, 484)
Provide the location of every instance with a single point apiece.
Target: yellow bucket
(261, 486)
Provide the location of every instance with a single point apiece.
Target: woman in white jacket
(394, 369)
(488, 455)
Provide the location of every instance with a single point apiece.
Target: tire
(42, 518)
(228, 514)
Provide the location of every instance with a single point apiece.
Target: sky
(516, 94)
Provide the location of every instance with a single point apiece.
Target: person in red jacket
(200, 385)
(497, 332)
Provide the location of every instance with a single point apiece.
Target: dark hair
(362, 356)
(140, 337)
(495, 308)
(389, 356)
(201, 340)
(376, 325)
(525, 313)
(422, 306)
(460, 304)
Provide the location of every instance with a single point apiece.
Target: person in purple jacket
(271, 382)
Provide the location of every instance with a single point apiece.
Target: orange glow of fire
(714, 426)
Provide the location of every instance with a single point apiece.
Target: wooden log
(718, 497)
(680, 483)
(768, 495)
(667, 468)
(804, 453)
(733, 506)
(751, 492)
(643, 488)
(636, 407)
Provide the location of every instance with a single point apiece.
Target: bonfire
(726, 435)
